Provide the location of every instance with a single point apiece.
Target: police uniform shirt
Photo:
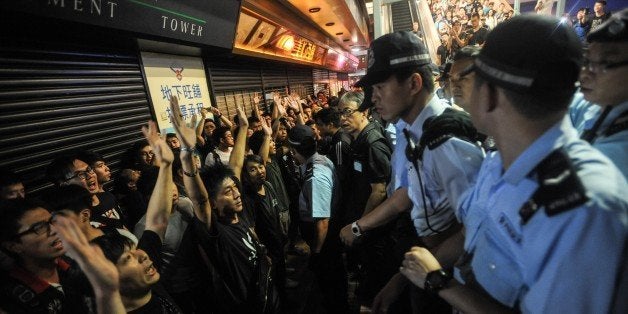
(564, 263)
(447, 173)
(584, 114)
(315, 200)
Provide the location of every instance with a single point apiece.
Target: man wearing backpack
(403, 88)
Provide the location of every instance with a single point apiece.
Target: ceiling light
(314, 10)
(330, 24)
(339, 33)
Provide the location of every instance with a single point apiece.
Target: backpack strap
(560, 188)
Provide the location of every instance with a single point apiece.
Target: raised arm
(265, 148)
(199, 127)
(223, 119)
(101, 273)
(236, 160)
(191, 179)
(160, 203)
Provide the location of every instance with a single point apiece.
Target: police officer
(403, 88)
(600, 110)
(548, 218)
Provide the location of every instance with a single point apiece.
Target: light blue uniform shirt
(583, 115)
(447, 173)
(566, 263)
(316, 198)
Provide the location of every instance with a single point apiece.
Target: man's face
(137, 273)
(390, 98)
(256, 126)
(38, 241)
(228, 201)
(256, 173)
(173, 142)
(323, 129)
(147, 155)
(462, 82)
(84, 176)
(444, 38)
(580, 14)
(103, 173)
(228, 139)
(209, 128)
(350, 118)
(600, 84)
(282, 133)
(598, 7)
(475, 21)
(272, 149)
(13, 191)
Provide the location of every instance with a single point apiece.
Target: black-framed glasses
(37, 228)
(602, 67)
(84, 175)
(346, 112)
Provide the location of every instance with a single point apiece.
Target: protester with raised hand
(101, 273)
(232, 249)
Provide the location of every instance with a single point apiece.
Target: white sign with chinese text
(179, 76)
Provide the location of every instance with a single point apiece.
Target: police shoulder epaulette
(439, 129)
(560, 188)
(618, 125)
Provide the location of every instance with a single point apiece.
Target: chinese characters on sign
(183, 77)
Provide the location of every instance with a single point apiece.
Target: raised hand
(101, 273)
(257, 98)
(186, 134)
(162, 151)
(265, 127)
(242, 119)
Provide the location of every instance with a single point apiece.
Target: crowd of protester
(503, 190)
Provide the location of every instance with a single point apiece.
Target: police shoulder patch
(560, 188)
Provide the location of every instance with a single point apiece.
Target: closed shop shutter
(234, 82)
(60, 97)
(301, 81)
(274, 76)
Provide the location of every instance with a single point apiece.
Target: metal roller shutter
(301, 81)
(274, 76)
(55, 99)
(234, 82)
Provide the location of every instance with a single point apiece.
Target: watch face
(436, 280)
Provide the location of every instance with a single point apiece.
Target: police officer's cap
(301, 135)
(531, 54)
(613, 30)
(393, 51)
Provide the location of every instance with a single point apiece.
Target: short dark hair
(72, 197)
(602, 2)
(423, 70)
(328, 116)
(11, 211)
(170, 135)
(475, 15)
(113, 245)
(467, 52)
(253, 120)
(90, 157)
(214, 176)
(534, 105)
(59, 169)
(256, 140)
(219, 134)
(8, 177)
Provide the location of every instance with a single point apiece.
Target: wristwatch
(355, 229)
(437, 280)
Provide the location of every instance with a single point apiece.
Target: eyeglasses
(602, 67)
(83, 175)
(37, 228)
(346, 112)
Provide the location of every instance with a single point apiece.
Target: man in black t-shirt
(70, 169)
(266, 211)
(242, 278)
(371, 172)
(476, 35)
(138, 266)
